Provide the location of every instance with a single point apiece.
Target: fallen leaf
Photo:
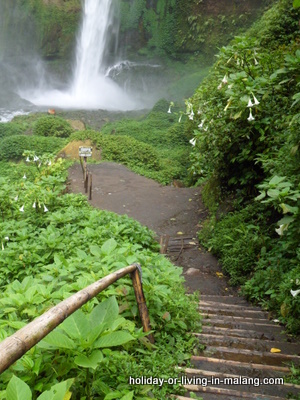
(179, 233)
(274, 350)
(219, 274)
(167, 316)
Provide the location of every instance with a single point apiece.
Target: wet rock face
(50, 26)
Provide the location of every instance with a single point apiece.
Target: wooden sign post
(85, 152)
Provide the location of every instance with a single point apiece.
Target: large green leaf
(59, 391)
(57, 340)
(76, 325)
(18, 390)
(105, 312)
(89, 362)
(95, 250)
(113, 339)
(128, 396)
(109, 246)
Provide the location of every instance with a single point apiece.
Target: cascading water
(92, 43)
(90, 88)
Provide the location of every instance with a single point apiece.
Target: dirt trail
(166, 210)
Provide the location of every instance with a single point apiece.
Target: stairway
(240, 358)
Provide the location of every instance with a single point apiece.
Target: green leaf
(287, 219)
(128, 396)
(105, 312)
(18, 390)
(60, 391)
(276, 179)
(76, 325)
(89, 362)
(95, 250)
(261, 196)
(114, 339)
(109, 246)
(57, 340)
(274, 193)
(113, 395)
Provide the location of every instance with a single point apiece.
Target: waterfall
(91, 44)
(90, 87)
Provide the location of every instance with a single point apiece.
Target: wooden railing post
(140, 298)
(90, 186)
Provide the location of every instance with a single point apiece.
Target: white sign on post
(85, 151)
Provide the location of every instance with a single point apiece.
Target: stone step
(234, 311)
(224, 299)
(230, 393)
(251, 356)
(227, 306)
(248, 343)
(238, 367)
(241, 323)
(247, 318)
(272, 386)
(242, 333)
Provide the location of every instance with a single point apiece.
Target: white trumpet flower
(193, 141)
(250, 118)
(24, 177)
(201, 124)
(281, 229)
(169, 110)
(22, 208)
(250, 104)
(27, 159)
(225, 80)
(256, 102)
(295, 292)
(34, 205)
(45, 208)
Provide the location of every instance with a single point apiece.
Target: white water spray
(90, 87)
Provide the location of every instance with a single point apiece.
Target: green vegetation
(10, 129)
(52, 126)
(245, 120)
(154, 146)
(13, 147)
(54, 244)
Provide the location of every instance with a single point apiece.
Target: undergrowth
(54, 244)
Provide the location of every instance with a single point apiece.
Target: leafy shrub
(237, 240)
(10, 129)
(13, 147)
(141, 157)
(52, 126)
(245, 120)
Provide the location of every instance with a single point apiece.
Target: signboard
(85, 151)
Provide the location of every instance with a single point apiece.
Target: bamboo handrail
(15, 346)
